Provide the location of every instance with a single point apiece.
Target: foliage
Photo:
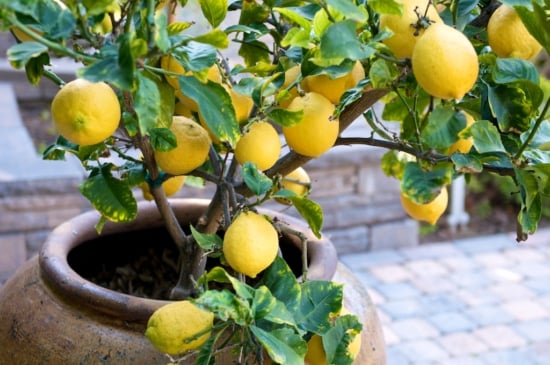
(275, 316)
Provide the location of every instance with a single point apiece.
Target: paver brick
(391, 273)
(500, 337)
(492, 259)
(525, 310)
(448, 322)
(426, 267)
(424, 351)
(459, 262)
(535, 330)
(462, 343)
(488, 315)
(414, 329)
(511, 291)
(503, 274)
(400, 290)
(433, 284)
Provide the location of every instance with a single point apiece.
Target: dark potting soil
(143, 263)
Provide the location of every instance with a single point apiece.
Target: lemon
(317, 131)
(85, 113)
(193, 144)
(242, 104)
(170, 186)
(178, 327)
(183, 110)
(403, 39)
(260, 145)
(444, 62)
(291, 75)
(508, 36)
(429, 212)
(250, 243)
(297, 181)
(463, 145)
(333, 89)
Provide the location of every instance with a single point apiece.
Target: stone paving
(477, 301)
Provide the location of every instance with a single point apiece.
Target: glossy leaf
(112, 197)
(216, 38)
(531, 201)
(214, 11)
(443, 126)
(319, 300)
(284, 117)
(423, 186)
(195, 56)
(339, 42)
(284, 346)
(267, 308)
(162, 139)
(486, 137)
(386, 6)
(514, 69)
(337, 339)
(282, 283)
(310, 211)
(226, 306)
(111, 67)
(207, 241)
(383, 74)
(349, 10)
(255, 180)
(243, 290)
(20, 54)
(536, 21)
(147, 104)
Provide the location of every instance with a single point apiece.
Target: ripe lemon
(297, 181)
(429, 212)
(242, 104)
(250, 243)
(508, 37)
(260, 144)
(444, 62)
(403, 39)
(183, 110)
(290, 77)
(193, 144)
(463, 145)
(333, 89)
(317, 131)
(173, 327)
(170, 186)
(85, 113)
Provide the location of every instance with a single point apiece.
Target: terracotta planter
(49, 314)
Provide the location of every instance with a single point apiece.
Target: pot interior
(143, 263)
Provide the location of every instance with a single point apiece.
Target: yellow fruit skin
(403, 40)
(193, 145)
(170, 187)
(463, 145)
(172, 325)
(444, 62)
(241, 103)
(290, 76)
(429, 212)
(260, 145)
(508, 37)
(333, 89)
(297, 181)
(250, 244)
(86, 113)
(317, 131)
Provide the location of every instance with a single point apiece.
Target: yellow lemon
(193, 145)
(297, 181)
(242, 104)
(463, 145)
(317, 131)
(508, 36)
(403, 39)
(444, 62)
(170, 186)
(333, 89)
(85, 113)
(178, 327)
(291, 75)
(260, 144)
(250, 243)
(183, 110)
(429, 212)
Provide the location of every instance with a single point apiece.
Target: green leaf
(443, 126)
(294, 17)
(319, 300)
(112, 197)
(195, 56)
(536, 22)
(216, 38)
(283, 346)
(215, 107)
(207, 241)
(466, 163)
(254, 52)
(486, 137)
(286, 118)
(386, 7)
(267, 308)
(34, 69)
(162, 139)
(296, 37)
(162, 38)
(391, 165)
(310, 211)
(542, 172)
(423, 186)
(226, 306)
(509, 70)
(383, 74)
(255, 180)
(282, 283)
(20, 54)
(147, 104)
(214, 11)
(531, 201)
(339, 42)
(337, 339)
(243, 290)
(350, 10)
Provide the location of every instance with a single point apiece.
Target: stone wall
(361, 205)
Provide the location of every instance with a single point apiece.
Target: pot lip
(63, 280)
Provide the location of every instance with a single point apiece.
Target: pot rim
(66, 282)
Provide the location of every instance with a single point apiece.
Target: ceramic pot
(51, 314)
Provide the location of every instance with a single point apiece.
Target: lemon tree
(156, 83)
